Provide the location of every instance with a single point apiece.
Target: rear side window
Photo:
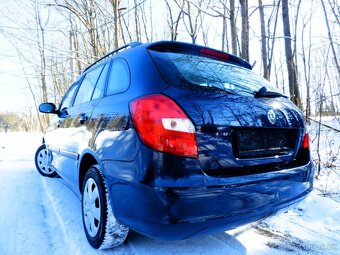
(188, 70)
(119, 79)
(87, 86)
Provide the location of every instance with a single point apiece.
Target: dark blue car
(175, 140)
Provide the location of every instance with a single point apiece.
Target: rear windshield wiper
(263, 92)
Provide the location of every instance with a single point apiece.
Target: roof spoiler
(194, 49)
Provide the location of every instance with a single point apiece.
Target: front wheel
(42, 160)
(101, 227)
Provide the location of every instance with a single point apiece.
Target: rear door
(75, 125)
(115, 139)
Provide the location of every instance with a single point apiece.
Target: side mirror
(47, 108)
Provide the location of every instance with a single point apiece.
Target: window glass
(87, 86)
(192, 71)
(119, 79)
(67, 101)
(99, 90)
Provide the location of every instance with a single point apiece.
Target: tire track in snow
(22, 221)
(65, 207)
(67, 239)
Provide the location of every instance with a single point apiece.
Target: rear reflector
(305, 142)
(163, 125)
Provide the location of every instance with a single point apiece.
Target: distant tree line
(14, 122)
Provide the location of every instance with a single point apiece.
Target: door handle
(83, 117)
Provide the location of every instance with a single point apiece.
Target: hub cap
(43, 161)
(91, 207)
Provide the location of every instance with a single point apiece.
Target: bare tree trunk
(224, 28)
(195, 17)
(151, 22)
(126, 27)
(42, 72)
(192, 26)
(233, 28)
(297, 14)
(330, 38)
(204, 32)
(293, 85)
(307, 66)
(144, 21)
(137, 23)
(172, 21)
(263, 42)
(270, 59)
(77, 51)
(282, 75)
(245, 30)
(115, 5)
(319, 134)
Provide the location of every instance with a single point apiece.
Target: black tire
(42, 159)
(101, 227)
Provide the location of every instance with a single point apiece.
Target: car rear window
(187, 70)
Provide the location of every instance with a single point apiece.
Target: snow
(43, 216)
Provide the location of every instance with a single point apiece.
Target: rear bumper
(182, 212)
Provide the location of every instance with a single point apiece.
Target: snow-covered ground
(42, 216)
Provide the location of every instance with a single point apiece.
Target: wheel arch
(87, 160)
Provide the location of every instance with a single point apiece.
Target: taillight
(163, 125)
(305, 142)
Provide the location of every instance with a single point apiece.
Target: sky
(15, 94)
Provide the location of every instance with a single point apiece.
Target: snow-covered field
(42, 216)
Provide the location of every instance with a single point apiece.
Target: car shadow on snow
(220, 243)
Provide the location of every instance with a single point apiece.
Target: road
(43, 216)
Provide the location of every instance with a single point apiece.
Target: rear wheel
(101, 227)
(43, 158)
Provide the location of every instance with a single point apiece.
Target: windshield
(187, 70)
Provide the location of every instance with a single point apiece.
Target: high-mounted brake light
(163, 125)
(214, 54)
(305, 142)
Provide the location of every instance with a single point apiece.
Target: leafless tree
(264, 53)
(268, 36)
(306, 60)
(137, 21)
(233, 28)
(174, 19)
(292, 76)
(115, 6)
(85, 11)
(245, 30)
(331, 38)
(193, 24)
(272, 34)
